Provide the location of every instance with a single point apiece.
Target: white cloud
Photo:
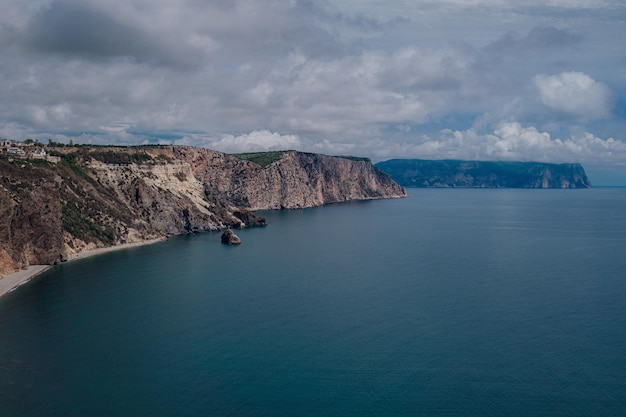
(255, 141)
(117, 127)
(368, 77)
(574, 93)
(509, 141)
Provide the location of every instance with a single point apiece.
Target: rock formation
(484, 174)
(230, 238)
(293, 180)
(102, 196)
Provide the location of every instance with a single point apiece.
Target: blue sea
(445, 303)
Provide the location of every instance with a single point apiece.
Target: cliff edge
(91, 197)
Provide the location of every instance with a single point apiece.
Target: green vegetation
(261, 158)
(354, 158)
(39, 163)
(163, 159)
(20, 177)
(70, 161)
(25, 179)
(54, 144)
(82, 227)
(121, 158)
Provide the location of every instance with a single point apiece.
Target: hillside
(93, 197)
(484, 174)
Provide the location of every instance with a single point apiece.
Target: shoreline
(15, 280)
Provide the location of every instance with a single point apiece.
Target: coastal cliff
(94, 197)
(484, 174)
(291, 180)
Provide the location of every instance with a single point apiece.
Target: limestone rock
(230, 238)
(101, 196)
(249, 218)
(295, 180)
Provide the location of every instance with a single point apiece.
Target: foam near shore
(21, 277)
(14, 280)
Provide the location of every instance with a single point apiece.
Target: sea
(450, 302)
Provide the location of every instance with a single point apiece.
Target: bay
(446, 303)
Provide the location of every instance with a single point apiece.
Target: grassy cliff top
(261, 158)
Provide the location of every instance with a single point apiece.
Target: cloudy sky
(537, 80)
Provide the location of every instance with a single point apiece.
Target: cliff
(484, 174)
(291, 180)
(101, 196)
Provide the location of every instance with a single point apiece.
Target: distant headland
(484, 174)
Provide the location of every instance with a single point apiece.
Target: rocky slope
(484, 174)
(102, 196)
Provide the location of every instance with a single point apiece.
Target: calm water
(446, 303)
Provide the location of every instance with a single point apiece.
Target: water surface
(446, 303)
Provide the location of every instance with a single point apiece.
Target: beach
(21, 277)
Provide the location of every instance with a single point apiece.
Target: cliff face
(294, 180)
(98, 196)
(484, 174)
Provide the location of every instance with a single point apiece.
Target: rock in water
(230, 238)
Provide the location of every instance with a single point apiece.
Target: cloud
(78, 29)
(509, 141)
(575, 94)
(539, 38)
(365, 77)
(255, 141)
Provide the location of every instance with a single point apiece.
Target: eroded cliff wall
(102, 196)
(294, 180)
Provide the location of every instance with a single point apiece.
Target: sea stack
(230, 238)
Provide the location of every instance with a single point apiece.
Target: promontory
(56, 201)
(422, 173)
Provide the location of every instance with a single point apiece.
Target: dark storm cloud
(78, 30)
(608, 12)
(504, 66)
(368, 77)
(539, 38)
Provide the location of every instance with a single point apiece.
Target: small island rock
(230, 238)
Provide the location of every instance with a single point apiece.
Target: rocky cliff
(291, 180)
(102, 196)
(484, 174)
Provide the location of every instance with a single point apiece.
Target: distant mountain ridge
(424, 173)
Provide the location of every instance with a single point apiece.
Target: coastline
(23, 276)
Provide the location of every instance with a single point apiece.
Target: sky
(538, 80)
